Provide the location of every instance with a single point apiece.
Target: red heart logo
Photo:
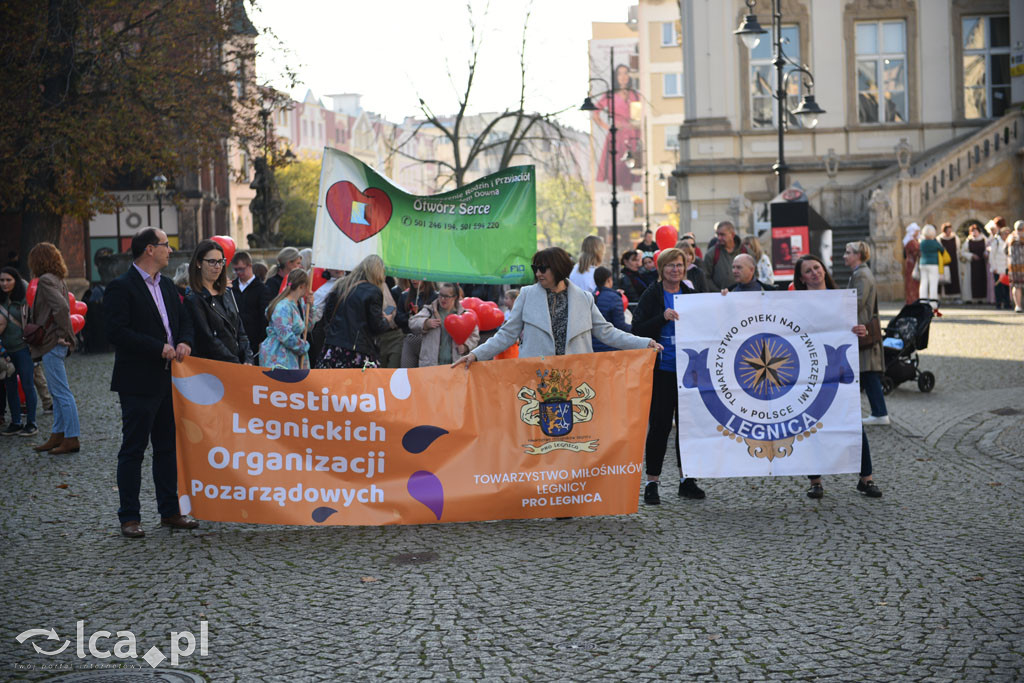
(356, 214)
(459, 327)
(490, 316)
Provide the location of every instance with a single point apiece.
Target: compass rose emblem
(766, 366)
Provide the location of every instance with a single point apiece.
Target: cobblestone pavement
(756, 582)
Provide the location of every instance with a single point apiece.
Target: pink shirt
(153, 284)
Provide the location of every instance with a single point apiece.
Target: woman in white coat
(554, 317)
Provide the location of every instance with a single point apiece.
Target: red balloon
(490, 316)
(471, 302)
(792, 286)
(30, 293)
(666, 236)
(656, 255)
(318, 278)
(625, 302)
(71, 301)
(227, 245)
(77, 323)
(79, 307)
(459, 327)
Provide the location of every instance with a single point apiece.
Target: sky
(395, 51)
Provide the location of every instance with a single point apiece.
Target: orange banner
(509, 439)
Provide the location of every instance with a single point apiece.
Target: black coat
(358, 319)
(649, 317)
(138, 336)
(219, 332)
(252, 311)
(270, 289)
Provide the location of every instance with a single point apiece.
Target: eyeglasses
(539, 269)
(675, 266)
(445, 296)
(214, 262)
(163, 244)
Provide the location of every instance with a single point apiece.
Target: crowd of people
(985, 267)
(362, 318)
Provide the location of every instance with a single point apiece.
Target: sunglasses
(539, 268)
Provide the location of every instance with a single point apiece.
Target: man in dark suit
(249, 297)
(149, 327)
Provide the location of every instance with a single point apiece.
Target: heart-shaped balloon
(666, 237)
(318, 279)
(471, 303)
(357, 214)
(30, 293)
(71, 301)
(79, 307)
(490, 316)
(77, 323)
(459, 327)
(227, 245)
(625, 302)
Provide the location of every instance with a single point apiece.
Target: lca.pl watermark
(183, 644)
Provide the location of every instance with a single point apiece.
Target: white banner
(768, 383)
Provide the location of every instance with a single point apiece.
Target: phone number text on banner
(509, 439)
(485, 232)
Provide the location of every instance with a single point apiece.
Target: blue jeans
(872, 383)
(23, 365)
(65, 412)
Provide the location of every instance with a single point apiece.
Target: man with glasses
(149, 328)
(249, 296)
(718, 260)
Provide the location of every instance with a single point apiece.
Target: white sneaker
(872, 420)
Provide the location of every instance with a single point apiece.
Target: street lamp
(750, 32)
(588, 105)
(160, 185)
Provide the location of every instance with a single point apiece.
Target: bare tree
(496, 139)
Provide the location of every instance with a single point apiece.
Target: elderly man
(743, 268)
(718, 260)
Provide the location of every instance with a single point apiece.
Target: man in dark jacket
(718, 260)
(249, 296)
(743, 269)
(149, 327)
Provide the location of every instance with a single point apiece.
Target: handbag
(944, 271)
(35, 334)
(874, 335)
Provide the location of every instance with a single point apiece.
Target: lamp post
(750, 32)
(588, 105)
(160, 185)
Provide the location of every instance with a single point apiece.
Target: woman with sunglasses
(554, 317)
(219, 332)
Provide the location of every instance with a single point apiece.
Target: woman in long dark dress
(975, 250)
(950, 241)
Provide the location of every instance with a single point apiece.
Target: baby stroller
(905, 335)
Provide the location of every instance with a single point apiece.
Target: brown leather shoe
(67, 446)
(179, 522)
(55, 440)
(132, 530)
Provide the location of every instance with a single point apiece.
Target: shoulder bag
(874, 335)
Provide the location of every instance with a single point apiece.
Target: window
(672, 85)
(671, 137)
(669, 34)
(986, 43)
(763, 107)
(881, 72)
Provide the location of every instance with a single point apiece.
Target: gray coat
(863, 280)
(431, 343)
(530, 317)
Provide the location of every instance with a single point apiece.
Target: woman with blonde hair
(288, 259)
(52, 310)
(591, 256)
(284, 346)
(437, 347)
(354, 316)
(763, 265)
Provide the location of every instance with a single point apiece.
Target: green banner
(485, 232)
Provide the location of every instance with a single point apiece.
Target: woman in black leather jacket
(354, 315)
(219, 332)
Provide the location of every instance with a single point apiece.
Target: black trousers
(664, 409)
(144, 419)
